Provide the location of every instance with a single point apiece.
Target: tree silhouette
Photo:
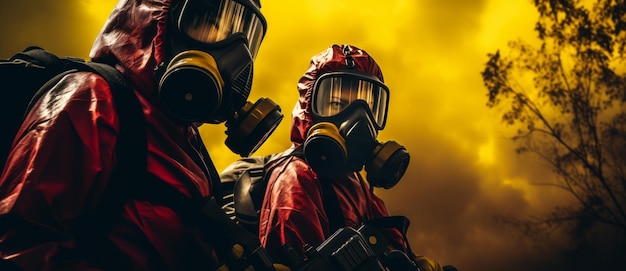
(572, 113)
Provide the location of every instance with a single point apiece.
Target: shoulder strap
(36, 55)
(129, 174)
(131, 147)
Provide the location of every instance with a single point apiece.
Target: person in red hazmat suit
(342, 105)
(189, 62)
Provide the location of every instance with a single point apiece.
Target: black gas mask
(213, 44)
(348, 110)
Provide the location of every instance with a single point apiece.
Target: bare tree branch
(578, 89)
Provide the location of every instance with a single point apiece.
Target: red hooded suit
(58, 170)
(292, 211)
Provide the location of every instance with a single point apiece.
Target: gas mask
(213, 44)
(348, 110)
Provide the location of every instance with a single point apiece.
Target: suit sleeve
(292, 211)
(58, 167)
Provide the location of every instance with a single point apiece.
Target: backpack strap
(38, 56)
(131, 168)
(248, 190)
(129, 174)
(131, 147)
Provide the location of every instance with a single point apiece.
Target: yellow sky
(463, 170)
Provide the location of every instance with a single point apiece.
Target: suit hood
(132, 40)
(330, 60)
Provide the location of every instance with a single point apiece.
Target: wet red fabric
(292, 211)
(59, 168)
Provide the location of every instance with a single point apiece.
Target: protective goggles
(334, 92)
(211, 21)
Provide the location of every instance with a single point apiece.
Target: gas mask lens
(334, 92)
(211, 21)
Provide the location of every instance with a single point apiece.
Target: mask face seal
(329, 154)
(212, 44)
(341, 143)
(335, 92)
(209, 78)
(348, 110)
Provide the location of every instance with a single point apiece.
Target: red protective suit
(292, 211)
(58, 170)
